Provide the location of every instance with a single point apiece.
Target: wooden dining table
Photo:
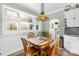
(40, 43)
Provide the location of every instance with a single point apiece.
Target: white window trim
(15, 10)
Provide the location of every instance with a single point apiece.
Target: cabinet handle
(74, 18)
(77, 38)
(68, 42)
(0, 53)
(0, 42)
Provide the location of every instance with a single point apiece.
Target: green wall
(60, 16)
(57, 15)
(44, 26)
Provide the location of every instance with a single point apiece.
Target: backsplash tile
(72, 30)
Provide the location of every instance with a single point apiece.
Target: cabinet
(71, 43)
(71, 37)
(72, 17)
(69, 17)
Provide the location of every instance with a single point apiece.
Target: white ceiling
(49, 7)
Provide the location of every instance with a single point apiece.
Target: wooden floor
(67, 53)
(64, 53)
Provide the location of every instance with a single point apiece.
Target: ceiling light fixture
(42, 16)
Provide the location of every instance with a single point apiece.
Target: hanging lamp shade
(42, 16)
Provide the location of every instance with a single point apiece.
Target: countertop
(73, 35)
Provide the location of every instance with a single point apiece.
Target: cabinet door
(75, 45)
(0, 47)
(70, 21)
(67, 42)
(76, 22)
(69, 14)
(76, 13)
(76, 17)
(73, 18)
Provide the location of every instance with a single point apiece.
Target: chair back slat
(24, 42)
(31, 35)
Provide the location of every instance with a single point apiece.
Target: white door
(54, 28)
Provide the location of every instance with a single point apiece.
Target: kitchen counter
(73, 35)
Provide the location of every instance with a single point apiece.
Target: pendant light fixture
(42, 16)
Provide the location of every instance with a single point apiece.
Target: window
(10, 21)
(37, 27)
(11, 25)
(31, 26)
(24, 24)
(15, 21)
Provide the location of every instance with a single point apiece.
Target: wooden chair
(33, 51)
(56, 48)
(29, 51)
(31, 35)
(47, 50)
(25, 44)
(48, 35)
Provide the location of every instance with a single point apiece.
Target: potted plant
(43, 33)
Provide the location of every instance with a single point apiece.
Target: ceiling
(48, 7)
